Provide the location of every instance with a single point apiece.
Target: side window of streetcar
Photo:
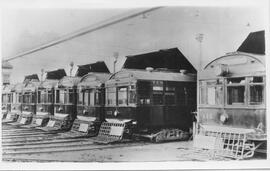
(170, 94)
(236, 91)
(256, 90)
(144, 92)
(132, 95)
(157, 92)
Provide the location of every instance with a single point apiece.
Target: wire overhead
(81, 32)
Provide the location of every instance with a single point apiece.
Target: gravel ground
(172, 151)
(47, 148)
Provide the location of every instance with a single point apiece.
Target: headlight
(134, 123)
(223, 117)
(60, 109)
(115, 113)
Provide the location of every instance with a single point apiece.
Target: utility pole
(115, 55)
(199, 38)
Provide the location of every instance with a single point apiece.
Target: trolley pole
(71, 68)
(42, 74)
(115, 55)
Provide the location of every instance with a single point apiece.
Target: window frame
(80, 97)
(168, 92)
(249, 84)
(215, 86)
(132, 88)
(126, 98)
(67, 93)
(111, 90)
(160, 92)
(141, 92)
(98, 97)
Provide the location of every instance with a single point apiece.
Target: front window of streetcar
(111, 96)
(122, 95)
(211, 92)
(236, 91)
(80, 97)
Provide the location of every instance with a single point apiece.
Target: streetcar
(28, 105)
(90, 104)
(65, 97)
(16, 107)
(6, 100)
(155, 104)
(64, 105)
(232, 102)
(45, 98)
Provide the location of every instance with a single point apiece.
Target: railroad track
(31, 156)
(42, 142)
(23, 144)
(7, 153)
(26, 134)
(27, 152)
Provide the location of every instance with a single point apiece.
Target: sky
(223, 27)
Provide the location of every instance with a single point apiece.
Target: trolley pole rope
(80, 33)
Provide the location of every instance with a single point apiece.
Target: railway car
(64, 105)
(16, 107)
(45, 98)
(232, 98)
(232, 103)
(6, 100)
(29, 101)
(65, 97)
(156, 104)
(90, 104)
